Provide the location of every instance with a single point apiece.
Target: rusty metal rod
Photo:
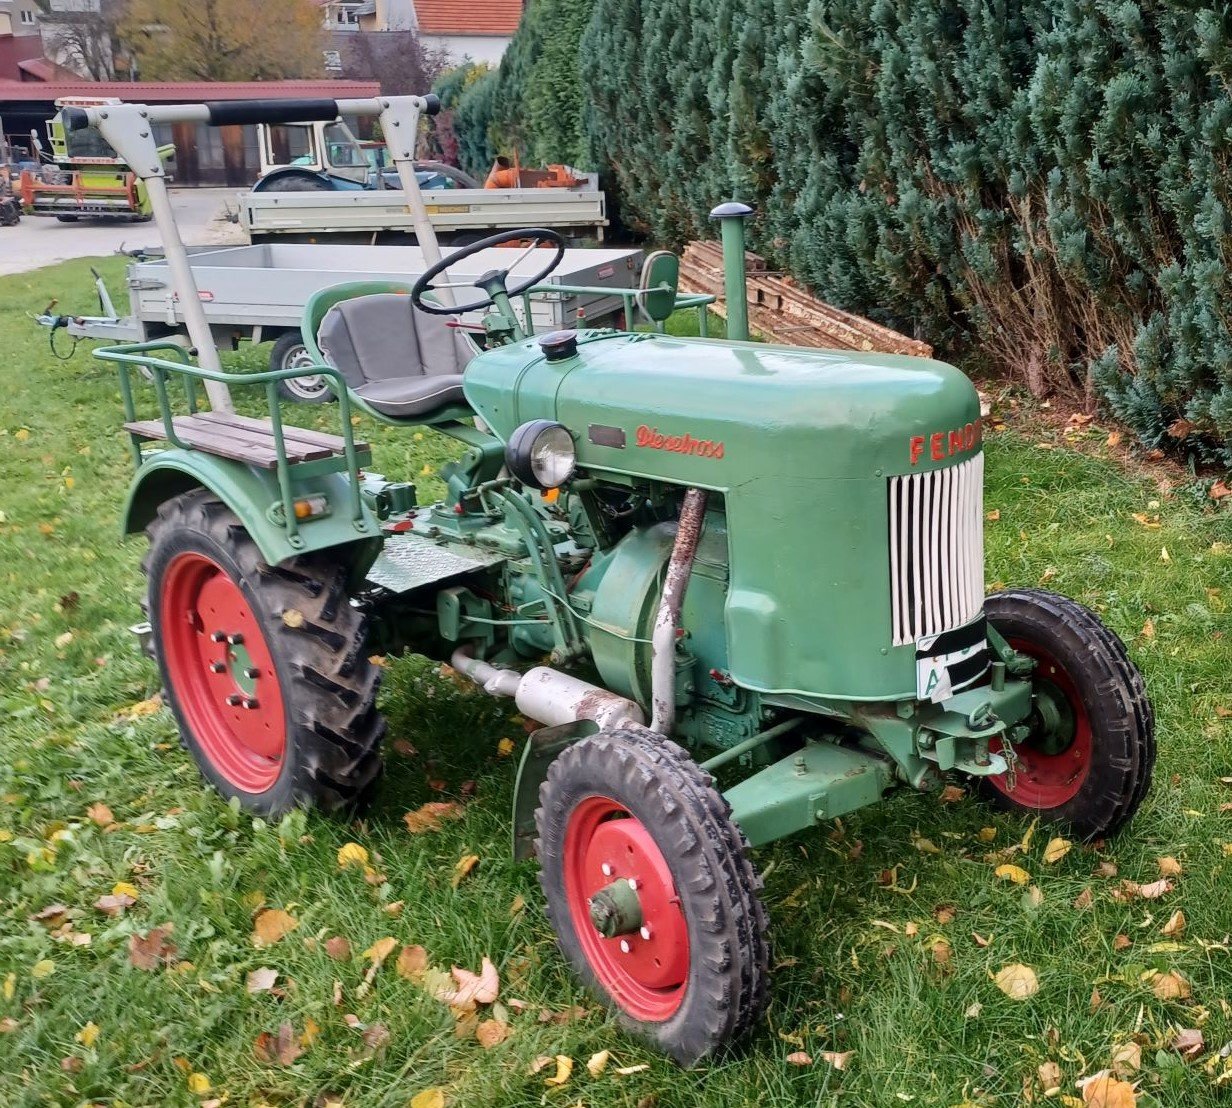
(679, 567)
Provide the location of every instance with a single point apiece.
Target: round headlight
(541, 454)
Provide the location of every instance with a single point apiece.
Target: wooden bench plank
(213, 440)
(334, 443)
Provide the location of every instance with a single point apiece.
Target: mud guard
(251, 493)
(540, 751)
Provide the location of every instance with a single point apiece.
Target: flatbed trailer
(459, 216)
(257, 293)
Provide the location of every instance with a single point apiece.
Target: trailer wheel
(1088, 759)
(264, 666)
(651, 892)
(290, 353)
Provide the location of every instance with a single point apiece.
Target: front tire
(1088, 760)
(688, 969)
(264, 667)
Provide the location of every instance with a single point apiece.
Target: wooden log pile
(782, 312)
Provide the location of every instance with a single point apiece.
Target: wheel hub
(625, 909)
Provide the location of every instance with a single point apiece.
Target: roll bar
(127, 127)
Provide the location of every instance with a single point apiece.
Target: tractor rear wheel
(264, 666)
(1088, 758)
(651, 891)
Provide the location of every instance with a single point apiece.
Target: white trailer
(459, 216)
(258, 293)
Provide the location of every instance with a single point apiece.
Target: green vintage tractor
(681, 557)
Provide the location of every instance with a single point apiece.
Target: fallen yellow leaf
(198, 1084)
(1169, 866)
(428, 1098)
(1017, 981)
(504, 748)
(45, 967)
(381, 949)
(1108, 1092)
(1056, 850)
(462, 868)
(352, 854)
(271, 925)
(1175, 925)
(598, 1062)
(1170, 986)
(491, 1032)
(564, 1070)
(88, 1035)
(1013, 873)
(123, 888)
(840, 1060)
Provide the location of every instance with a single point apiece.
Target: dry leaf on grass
(412, 962)
(100, 814)
(338, 948)
(1013, 873)
(598, 1063)
(1169, 866)
(564, 1070)
(1127, 1059)
(840, 1060)
(1017, 981)
(629, 1071)
(88, 1035)
(380, 950)
(1188, 1042)
(462, 868)
(799, 1058)
(428, 1098)
(352, 855)
(480, 988)
(1170, 986)
(261, 980)
(1105, 1091)
(1049, 1074)
(428, 817)
(114, 905)
(149, 951)
(272, 925)
(491, 1032)
(280, 1048)
(1056, 850)
(1175, 926)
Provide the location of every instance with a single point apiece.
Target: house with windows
(475, 29)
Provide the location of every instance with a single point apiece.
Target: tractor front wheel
(651, 892)
(1089, 748)
(264, 666)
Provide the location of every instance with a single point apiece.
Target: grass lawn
(888, 928)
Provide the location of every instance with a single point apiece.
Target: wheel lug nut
(248, 702)
(252, 672)
(645, 933)
(235, 639)
(607, 869)
(633, 883)
(217, 667)
(218, 636)
(234, 700)
(624, 946)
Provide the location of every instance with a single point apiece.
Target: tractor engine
(842, 553)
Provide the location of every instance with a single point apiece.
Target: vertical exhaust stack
(731, 217)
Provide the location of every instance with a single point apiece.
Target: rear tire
(281, 713)
(697, 977)
(290, 352)
(1089, 759)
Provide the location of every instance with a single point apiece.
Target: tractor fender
(539, 753)
(250, 492)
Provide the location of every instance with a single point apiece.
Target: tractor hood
(825, 461)
(718, 414)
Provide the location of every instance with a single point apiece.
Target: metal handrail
(137, 354)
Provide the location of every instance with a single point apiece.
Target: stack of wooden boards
(781, 312)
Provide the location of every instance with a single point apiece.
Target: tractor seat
(404, 363)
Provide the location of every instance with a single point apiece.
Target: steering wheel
(492, 282)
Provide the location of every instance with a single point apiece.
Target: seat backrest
(383, 336)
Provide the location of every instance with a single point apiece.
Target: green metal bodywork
(799, 443)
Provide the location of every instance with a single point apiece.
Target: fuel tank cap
(558, 345)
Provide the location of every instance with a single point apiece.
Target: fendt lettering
(945, 444)
(678, 444)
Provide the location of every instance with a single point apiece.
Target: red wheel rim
(221, 672)
(1050, 780)
(645, 972)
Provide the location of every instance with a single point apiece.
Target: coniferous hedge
(1041, 185)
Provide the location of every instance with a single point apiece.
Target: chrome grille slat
(936, 550)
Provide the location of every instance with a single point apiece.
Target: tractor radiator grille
(936, 549)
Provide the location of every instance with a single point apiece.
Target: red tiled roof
(468, 17)
(174, 92)
(44, 69)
